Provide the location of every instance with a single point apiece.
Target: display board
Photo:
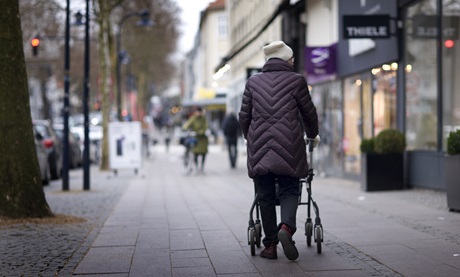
(125, 145)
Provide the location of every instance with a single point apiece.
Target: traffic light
(35, 42)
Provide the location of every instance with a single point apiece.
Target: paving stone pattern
(52, 249)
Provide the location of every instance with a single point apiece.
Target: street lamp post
(86, 82)
(145, 21)
(65, 162)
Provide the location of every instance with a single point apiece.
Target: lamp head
(79, 18)
(145, 19)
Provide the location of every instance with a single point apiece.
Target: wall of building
(213, 43)
(322, 22)
(243, 26)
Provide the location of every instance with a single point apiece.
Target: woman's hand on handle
(314, 141)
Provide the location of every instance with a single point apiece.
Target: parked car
(75, 152)
(42, 155)
(95, 137)
(52, 144)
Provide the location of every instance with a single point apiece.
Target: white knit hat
(277, 49)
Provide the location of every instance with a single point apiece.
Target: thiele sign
(366, 26)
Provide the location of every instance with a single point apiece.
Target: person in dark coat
(276, 113)
(232, 130)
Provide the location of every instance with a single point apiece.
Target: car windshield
(42, 130)
(59, 133)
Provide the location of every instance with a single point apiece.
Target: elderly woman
(269, 117)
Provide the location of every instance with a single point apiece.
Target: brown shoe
(269, 252)
(285, 237)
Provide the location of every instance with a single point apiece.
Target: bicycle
(189, 141)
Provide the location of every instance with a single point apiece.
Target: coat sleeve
(307, 109)
(187, 124)
(245, 114)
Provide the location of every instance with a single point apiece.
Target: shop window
(451, 68)
(421, 74)
(328, 101)
(384, 98)
(421, 77)
(357, 110)
(369, 108)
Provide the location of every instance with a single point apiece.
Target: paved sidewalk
(161, 222)
(30, 249)
(170, 224)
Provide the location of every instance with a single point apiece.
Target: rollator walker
(311, 230)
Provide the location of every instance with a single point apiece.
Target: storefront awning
(211, 103)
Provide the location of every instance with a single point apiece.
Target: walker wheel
(251, 236)
(318, 238)
(308, 232)
(258, 234)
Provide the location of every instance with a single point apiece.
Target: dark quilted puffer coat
(275, 104)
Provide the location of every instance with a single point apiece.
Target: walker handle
(309, 143)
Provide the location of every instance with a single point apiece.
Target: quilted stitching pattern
(273, 101)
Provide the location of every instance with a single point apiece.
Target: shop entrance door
(357, 111)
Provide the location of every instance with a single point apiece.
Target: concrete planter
(452, 179)
(381, 172)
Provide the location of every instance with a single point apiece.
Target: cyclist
(198, 124)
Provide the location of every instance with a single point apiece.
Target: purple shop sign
(320, 63)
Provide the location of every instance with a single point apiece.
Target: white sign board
(125, 145)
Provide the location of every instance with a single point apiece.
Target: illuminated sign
(320, 63)
(366, 26)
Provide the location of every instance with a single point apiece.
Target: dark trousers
(288, 195)
(195, 159)
(232, 152)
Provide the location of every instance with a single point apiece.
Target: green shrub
(453, 143)
(390, 141)
(367, 146)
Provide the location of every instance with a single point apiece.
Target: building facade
(404, 81)
(201, 87)
(248, 34)
(428, 84)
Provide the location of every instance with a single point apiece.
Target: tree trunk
(105, 69)
(141, 107)
(21, 190)
(106, 53)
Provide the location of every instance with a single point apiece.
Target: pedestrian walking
(198, 124)
(276, 113)
(168, 133)
(232, 130)
(146, 137)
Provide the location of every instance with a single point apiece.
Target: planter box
(382, 172)
(452, 177)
